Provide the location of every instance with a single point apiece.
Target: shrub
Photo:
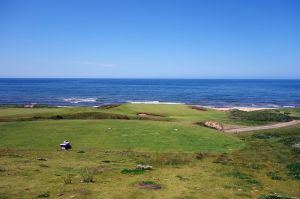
(292, 142)
(294, 170)
(263, 115)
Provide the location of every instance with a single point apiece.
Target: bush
(292, 142)
(264, 115)
(294, 170)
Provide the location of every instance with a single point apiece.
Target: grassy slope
(138, 135)
(242, 173)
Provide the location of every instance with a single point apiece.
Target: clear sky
(150, 38)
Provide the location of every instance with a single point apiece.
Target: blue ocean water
(93, 92)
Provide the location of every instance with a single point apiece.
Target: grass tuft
(133, 171)
(87, 176)
(44, 195)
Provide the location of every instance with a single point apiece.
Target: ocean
(205, 92)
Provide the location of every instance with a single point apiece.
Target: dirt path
(256, 128)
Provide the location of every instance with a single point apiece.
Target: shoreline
(73, 105)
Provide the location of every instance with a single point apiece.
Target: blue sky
(150, 38)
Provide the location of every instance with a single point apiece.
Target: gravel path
(256, 128)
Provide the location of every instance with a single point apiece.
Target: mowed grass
(115, 135)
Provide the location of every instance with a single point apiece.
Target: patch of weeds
(274, 175)
(265, 135)
(97, 169)
(44, 195)
(182, 178)
(242, 176)
(2, 169)
(293, 142)
(41, 159)
(252, 165)
(133, 171)
(87, 176)
(244, 195)
(171, 159)
(294, 170)
(68, 179)
(274, 196)
(3, 196)
(44, 165)
(148, 184)
(80, 151)
(200, 155)
(223, 159)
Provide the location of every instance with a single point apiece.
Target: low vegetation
(261, 116)
(188, 160)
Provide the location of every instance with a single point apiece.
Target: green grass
(189, 161)
(115, 135)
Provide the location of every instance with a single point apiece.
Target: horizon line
(171, 78)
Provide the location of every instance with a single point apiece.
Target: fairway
(115, 135)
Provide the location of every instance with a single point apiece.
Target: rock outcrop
(214, 125)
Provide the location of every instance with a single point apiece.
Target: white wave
(74, 100)
(152, 102)
(288, 106)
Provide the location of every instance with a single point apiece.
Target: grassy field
(189, 161)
